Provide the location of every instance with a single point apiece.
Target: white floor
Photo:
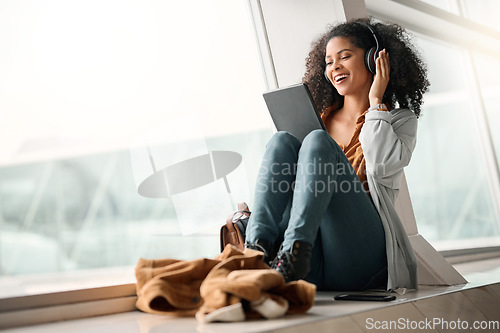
(435, 309)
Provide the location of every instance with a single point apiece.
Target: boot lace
(283, 263)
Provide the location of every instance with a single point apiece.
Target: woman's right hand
(380, 79)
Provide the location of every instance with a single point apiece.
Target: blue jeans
(311, 193)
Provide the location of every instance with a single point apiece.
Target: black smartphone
(365, 297)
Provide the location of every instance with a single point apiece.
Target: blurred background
(83, 84)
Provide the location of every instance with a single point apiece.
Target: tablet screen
(292, 109)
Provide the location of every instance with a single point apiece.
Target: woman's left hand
(381, 78)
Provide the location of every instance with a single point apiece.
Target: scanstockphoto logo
(438, 324)
(315, 167)
(316, 177)
(315, 187)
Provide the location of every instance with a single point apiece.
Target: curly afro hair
(408, 78)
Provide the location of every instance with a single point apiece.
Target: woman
(335, 225)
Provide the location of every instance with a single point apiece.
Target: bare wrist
(375, 101)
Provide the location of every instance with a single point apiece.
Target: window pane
(98, 95)
(448, 5)
(488, 71)
(447, 177)
(484, 12)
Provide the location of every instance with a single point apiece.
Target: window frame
(66, 305)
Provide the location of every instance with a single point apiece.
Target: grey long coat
(388, 140)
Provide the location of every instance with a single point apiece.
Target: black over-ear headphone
(372, 54)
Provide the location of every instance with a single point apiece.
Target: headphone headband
(374, 34)
(372, 53)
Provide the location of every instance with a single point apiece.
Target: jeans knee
(283, 139)
(318, 140)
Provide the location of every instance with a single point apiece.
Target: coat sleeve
(388, 140)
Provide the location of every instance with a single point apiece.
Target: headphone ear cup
(370, 57)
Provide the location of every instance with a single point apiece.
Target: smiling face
(345, 67)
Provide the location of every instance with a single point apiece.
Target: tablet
(292, 109)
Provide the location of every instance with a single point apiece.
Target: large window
(129, 129)
(484, 12)
(453, 176)
(448, 178)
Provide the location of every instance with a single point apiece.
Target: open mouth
(339, 78)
